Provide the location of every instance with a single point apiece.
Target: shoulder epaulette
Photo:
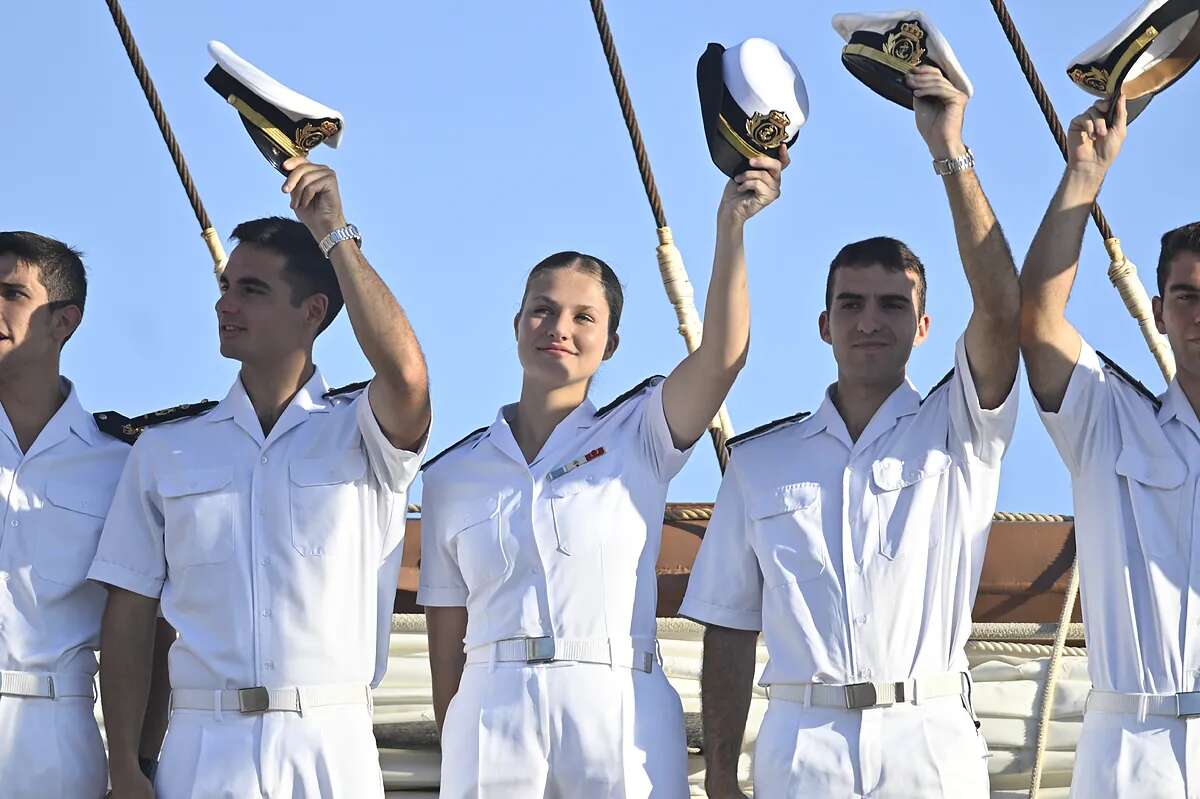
(628, 395)
(1130, 379)
(348, 389)
(468, 437)
(939, 384)
(765, 428)
(116, 425)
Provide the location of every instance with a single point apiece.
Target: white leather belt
(46, 685)
(547, 649)
(1181, 706)
(261, 700)
(863, 695)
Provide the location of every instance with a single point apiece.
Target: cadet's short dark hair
(892, 254)
(59, 267)
(1181, 239)
(306, 270)
(591, 265)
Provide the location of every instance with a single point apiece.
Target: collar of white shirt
(904, 401)
(501, 434)
(237, 406)
(69, 418)
(1175, 405)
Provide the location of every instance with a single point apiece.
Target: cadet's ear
(610, 349)
(923, 325)
(823, 327)
(315, 308)
(516, 323)
(1156, 305)
(66, 321)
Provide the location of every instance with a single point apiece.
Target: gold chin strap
(735, 141)
(277, 136)
(901, 66)
(1171, 67)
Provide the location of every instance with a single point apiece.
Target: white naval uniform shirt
(532, 554)
(275, 559)
(57, 495)
(1134, 470)
(859, 561)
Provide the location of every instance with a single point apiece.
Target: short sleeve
(655, 435)
(725, 587)
(395, 468)
(441, 583)
(1086, 415)
(982, 432)
(131, 554)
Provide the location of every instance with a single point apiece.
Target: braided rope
(1020, 649)
(1121, 273)
(1060, 640)
(208, 232)
(635, 133)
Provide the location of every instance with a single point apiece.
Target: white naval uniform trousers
(56, 496)
(859, 562)
(564, 547)
(276, 559)
(1135, 464)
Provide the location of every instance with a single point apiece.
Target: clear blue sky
(482, 136)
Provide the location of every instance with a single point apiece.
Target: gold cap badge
(768, 130)
(905, 44)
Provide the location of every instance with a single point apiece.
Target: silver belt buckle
(861, 695)
(1187, 704)
(539, 650)
(253, 700)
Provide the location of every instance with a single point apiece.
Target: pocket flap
(195, 481)
(1151, 470)
(892, 474)
(346, 467)
(581, 479)
(80, 498)
(463, 515)
(783, 499)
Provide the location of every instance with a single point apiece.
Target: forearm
(985, 254)
(447, 629)
(726, 684)
(127, 652)
(154, 725)
(726, 340)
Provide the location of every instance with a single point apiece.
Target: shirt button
(264, 459)
(266, 614)
(866, 674)
(269, 665)
(860, 620)
(264, 562)
(15, 523)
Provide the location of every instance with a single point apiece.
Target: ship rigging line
(207, 231)
(670, 261)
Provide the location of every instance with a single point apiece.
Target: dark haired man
(854, 537)
(58, 470)
(269, 529)
(1134, 460)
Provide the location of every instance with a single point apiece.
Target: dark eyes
(14, 294)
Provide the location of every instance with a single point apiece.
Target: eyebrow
(848, 295)
(253, 281)
(8, 284)
(1182, 287)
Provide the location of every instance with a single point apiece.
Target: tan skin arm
(694, 391)
(158, 705)
(726, 685)
(992, 332)
(127, 632)
(1050, 343)
(447, 629)
(399, 393)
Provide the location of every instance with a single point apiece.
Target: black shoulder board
(765, 428)
(940, 383)
(350, 389)
(453, 447)
(116, 425)
(1131, 380)
(628, 395)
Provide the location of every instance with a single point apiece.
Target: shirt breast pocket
(1156, 496)
(787, 522)
(910, 497)
(478, 541)
(198, 513)
(325, 496)
(67, 540)
(574, 500)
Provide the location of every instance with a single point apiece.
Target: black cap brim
(710, 80)
(885, 81)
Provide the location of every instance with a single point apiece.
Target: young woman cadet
(540, 534)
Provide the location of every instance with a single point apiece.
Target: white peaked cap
(761, 78)
(936, 44)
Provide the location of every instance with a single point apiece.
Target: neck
(272, 385)
(857, 402)
(540, 410)
(1190, 383)
(30, 398)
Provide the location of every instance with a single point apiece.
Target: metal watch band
(337, 236)
(950, 166)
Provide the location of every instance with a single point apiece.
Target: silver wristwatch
(951, 166)
(336, 237)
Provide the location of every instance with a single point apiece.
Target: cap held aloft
(881, 49)
(752, 100)
(283, 123)
(1151, 49)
